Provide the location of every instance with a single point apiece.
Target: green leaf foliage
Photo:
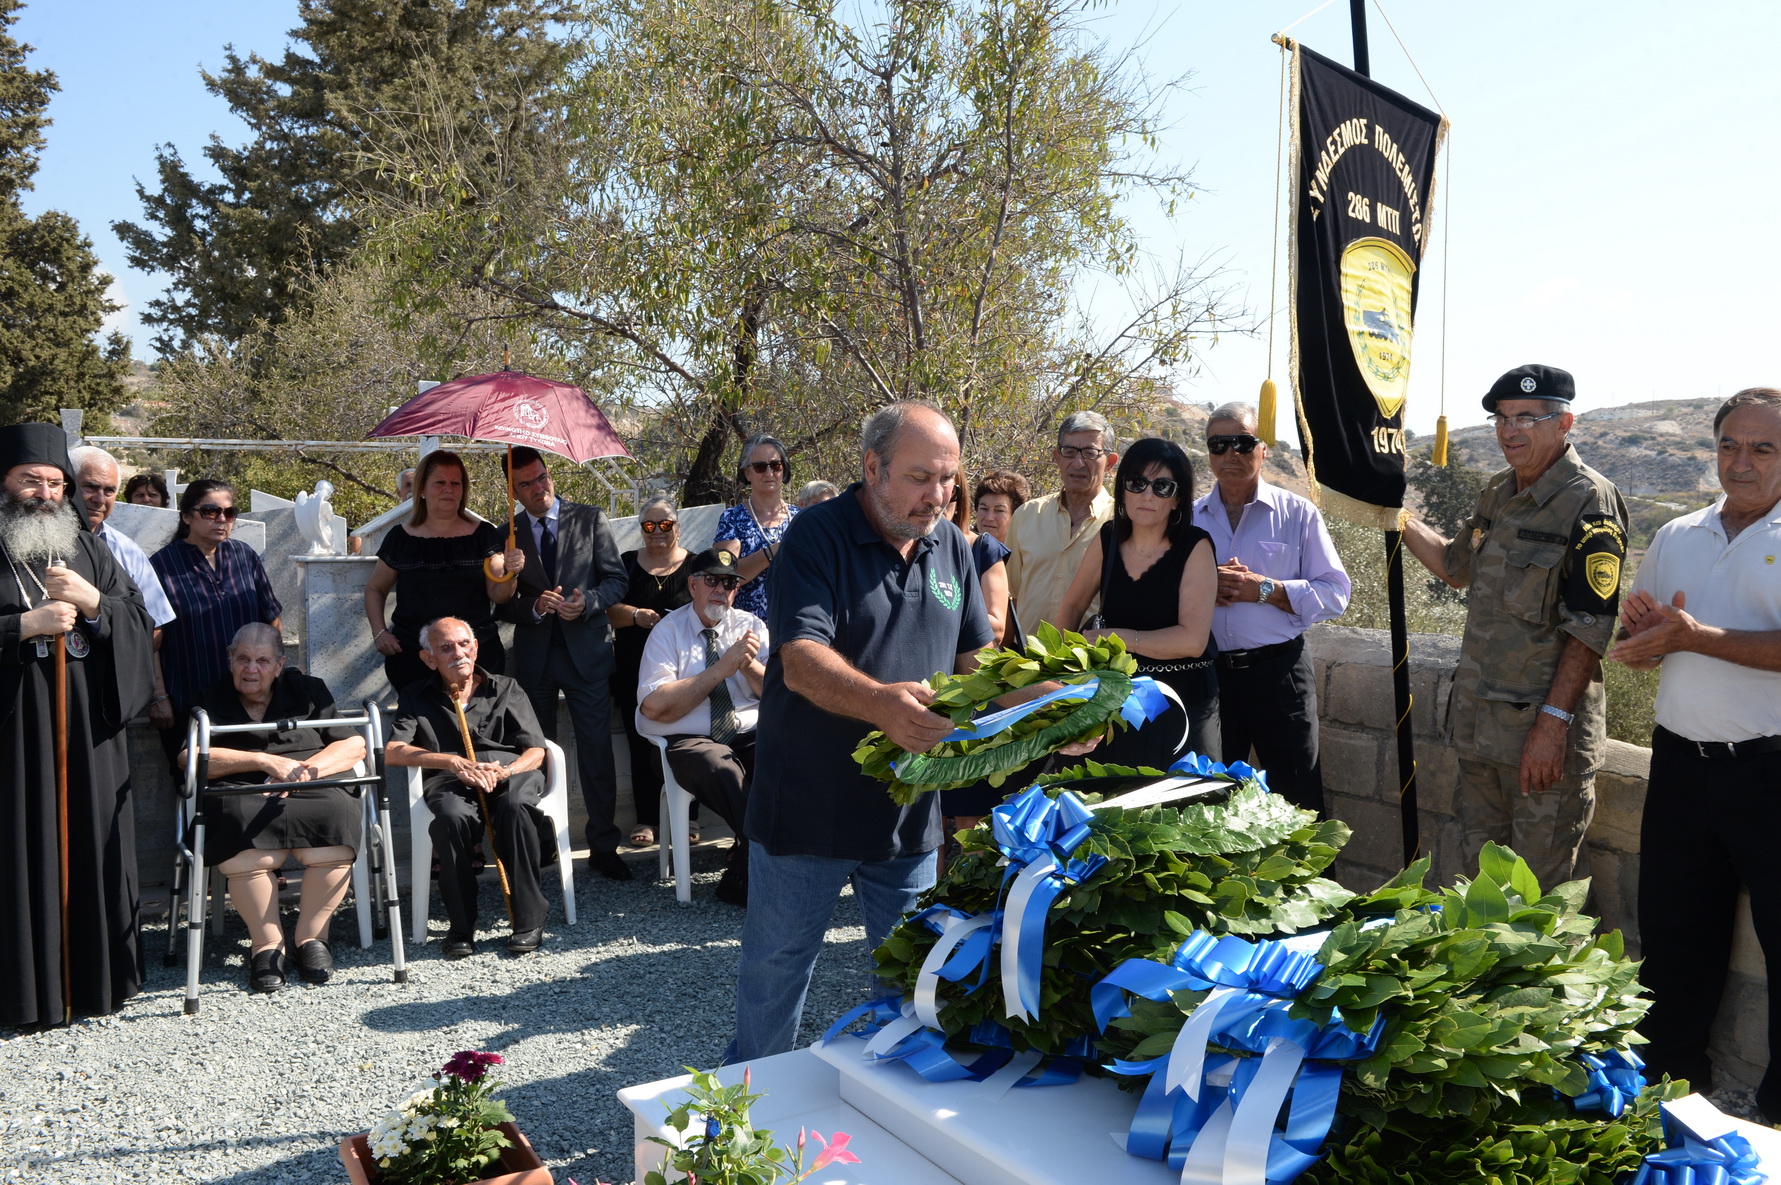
(1488, 992)
(1049, 655)
(1250, 865)
(53, 299)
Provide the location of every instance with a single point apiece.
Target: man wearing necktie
(562, 642)
(699, 689)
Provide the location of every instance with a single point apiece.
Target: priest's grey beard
(35, 529)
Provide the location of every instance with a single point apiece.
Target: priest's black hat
(35, 444)
(1532, 381)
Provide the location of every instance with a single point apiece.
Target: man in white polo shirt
(1707, 605)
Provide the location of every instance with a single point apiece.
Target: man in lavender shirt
(1278, 574)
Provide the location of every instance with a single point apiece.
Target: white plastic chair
(195, 886)
(555, 805)
(676, 812)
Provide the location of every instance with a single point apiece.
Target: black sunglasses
(727, 583)
(1245, 444)
(664, 526)
(766, 466)
(1162, 487)
(212, 511)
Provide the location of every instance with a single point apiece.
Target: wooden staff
(62, 817)
(488, 815)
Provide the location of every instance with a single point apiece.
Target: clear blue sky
(1613, 170)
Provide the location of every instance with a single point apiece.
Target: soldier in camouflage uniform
(1542, 555)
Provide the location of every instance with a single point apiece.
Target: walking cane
(488, 816)
(62, 817)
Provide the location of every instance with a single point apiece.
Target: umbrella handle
(512, 537)
(494, 578)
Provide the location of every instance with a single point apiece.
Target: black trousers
(1269, 702)
(589, 699)
(1709, 827)
(457, 826)
(717, 776)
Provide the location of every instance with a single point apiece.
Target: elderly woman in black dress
(656, 575)
(1158, 582)
(250, 836)
(444, 562)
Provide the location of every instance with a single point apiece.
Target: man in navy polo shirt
(873, 592)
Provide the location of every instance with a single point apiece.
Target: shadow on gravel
(300, 1168)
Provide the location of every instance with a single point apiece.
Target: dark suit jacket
(587, 559)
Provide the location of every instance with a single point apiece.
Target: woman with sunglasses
(1158, 582)
(752, 529)
(216, 585)
(657, 575)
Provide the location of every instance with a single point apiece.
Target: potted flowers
(727, 1149)
(449, 1133)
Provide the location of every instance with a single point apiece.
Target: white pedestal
(337, 645)
(1029, 1135)
(801, 1091)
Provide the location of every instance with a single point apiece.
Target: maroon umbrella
(511, 408)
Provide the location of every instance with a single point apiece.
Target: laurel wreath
(1050, 655)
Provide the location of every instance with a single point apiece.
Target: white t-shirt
(1735, 586)
(676, 650)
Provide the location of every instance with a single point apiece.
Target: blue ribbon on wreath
(1214, 1115)
(893, 1033)
(1726, 1159)
(1036, 834)
(1205, 767)
(1614, 1081)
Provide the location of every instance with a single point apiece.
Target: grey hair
(1086, 421)
(879, 432)
(657, 500)
(1236, 409)
(258, 633)
(813, 488)
(1748, 397)
(88, 454)
(427, 630)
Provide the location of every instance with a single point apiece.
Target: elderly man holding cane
(477, 736)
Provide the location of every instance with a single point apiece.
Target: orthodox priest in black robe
(55, 578)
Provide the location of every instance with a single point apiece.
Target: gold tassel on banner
(1438, 457)
(1264, 416)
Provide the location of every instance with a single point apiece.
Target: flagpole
(1408, 815)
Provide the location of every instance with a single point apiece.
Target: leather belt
(1721, 750)
(1237, 660)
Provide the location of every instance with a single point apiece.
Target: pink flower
(834, 1152)
(747, 1077)
(470, 1066)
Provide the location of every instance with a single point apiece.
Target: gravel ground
(258, 1090)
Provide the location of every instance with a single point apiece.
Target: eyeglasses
(1520, 423)
(766, 466)
(1244, 443)
(212, 511)
(727, 583)
(54, 485)
(1089, 453)
(662, 527)
(1162, 487)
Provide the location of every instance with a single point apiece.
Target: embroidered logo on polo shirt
(1768, 559)
(945, 591)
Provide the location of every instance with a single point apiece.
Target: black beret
(1532, 381)
(713, 561)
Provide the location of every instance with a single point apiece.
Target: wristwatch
(1265, 591)
(1563, 715)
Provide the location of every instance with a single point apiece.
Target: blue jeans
(790, 902)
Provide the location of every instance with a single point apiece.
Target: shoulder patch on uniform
(1599, 547)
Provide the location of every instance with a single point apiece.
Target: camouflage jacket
(1543, 565)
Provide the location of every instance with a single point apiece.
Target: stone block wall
(1361, 781)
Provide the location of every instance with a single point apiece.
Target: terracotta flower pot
(519, 1165)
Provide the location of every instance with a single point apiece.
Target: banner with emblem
(1363, 161)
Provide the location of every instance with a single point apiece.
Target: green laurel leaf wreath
(1489, 990)
(1050, 655)
(1252, 864)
